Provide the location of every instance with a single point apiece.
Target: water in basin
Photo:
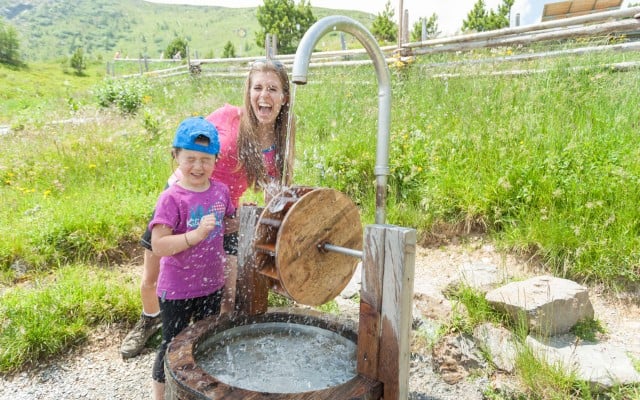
(278, 357)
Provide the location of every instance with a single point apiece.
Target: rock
(548, 305)
(455, 357)
(499, 343)
(480, 275)
(602, 364)
(353, 287)
(432, 307)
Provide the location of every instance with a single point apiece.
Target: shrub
(127, 96)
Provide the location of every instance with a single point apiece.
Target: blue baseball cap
(189, 130)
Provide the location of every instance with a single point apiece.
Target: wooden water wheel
(289, 242)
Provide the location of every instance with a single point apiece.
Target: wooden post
(267, 46)
(400, 24)
(384, 333)
(251, 287)
(405, 27)
(274, 45)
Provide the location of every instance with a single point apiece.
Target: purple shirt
(197, 271)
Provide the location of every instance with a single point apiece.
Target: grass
(45, 92)
(54, 313)
(545, 164)
(139, 28)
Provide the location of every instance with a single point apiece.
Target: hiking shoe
(135, 340)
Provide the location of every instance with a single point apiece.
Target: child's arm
(165, 243)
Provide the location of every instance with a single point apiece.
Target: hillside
(51, 29)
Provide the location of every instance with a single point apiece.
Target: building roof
(566, 9)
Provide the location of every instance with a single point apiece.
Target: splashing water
(279, 357)
(292, 97)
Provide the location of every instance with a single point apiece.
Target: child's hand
(207, 224)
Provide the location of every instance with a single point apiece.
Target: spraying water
(292, 96)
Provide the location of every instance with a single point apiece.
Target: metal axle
(324, 247)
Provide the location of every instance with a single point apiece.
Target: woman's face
(267, 96)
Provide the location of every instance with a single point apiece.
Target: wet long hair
(249, 152)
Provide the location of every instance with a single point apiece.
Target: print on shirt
(196, 213)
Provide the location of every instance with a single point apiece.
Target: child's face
(196, 167)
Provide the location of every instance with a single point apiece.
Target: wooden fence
(616, 23)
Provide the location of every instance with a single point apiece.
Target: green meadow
(544, 163)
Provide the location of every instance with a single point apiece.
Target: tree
(77, 61)
(286, 21)
(177, 48)
(500, 19)
(480, 20)
(431, 25)
(9, 45)
(383, 27)
(476, 18)
(229, 50)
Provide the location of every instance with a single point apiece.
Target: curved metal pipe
(299, 76)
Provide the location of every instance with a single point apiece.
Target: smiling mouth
(264, 108)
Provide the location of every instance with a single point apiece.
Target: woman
(255, 152)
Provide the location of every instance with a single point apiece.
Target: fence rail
(618, 22)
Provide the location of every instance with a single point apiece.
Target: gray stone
(601, 364)
(455, 357)
(353, 287)
(499, 343)
(480, 275)
(548, 305)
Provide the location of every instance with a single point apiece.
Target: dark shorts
(177, 315)
(230, 242)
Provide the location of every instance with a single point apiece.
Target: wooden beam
(397, 300)
(371, 301)
(384, 334)
(251, 286)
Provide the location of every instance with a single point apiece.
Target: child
(187, 232)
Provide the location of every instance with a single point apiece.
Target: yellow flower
(92, 166)
(46, 193)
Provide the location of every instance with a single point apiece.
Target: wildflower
(46, 193)
(92, 166)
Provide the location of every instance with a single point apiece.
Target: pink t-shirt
(227, 121)
(199, 270)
